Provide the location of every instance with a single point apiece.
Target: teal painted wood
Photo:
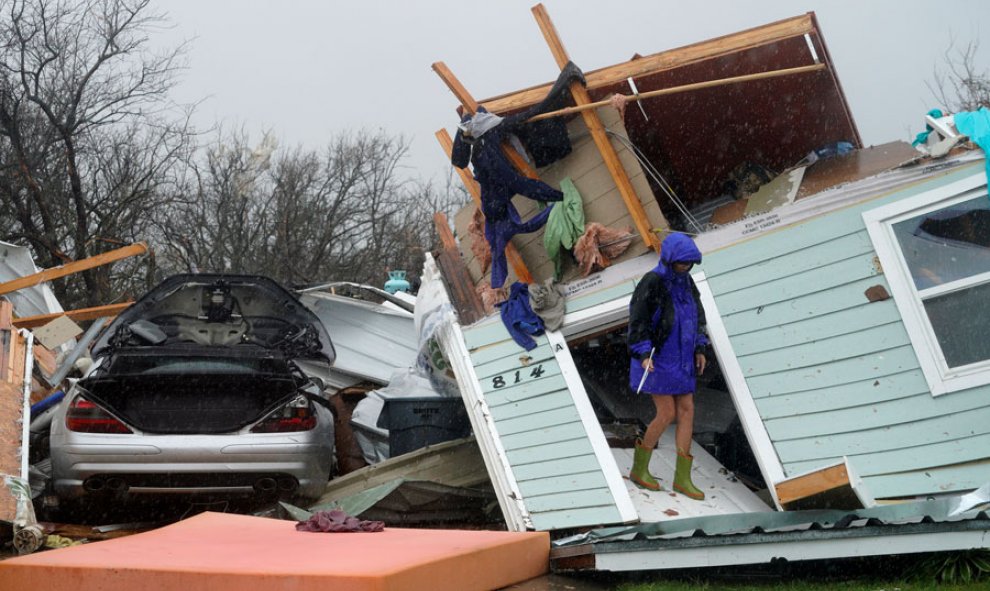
(555, 467)
(546, 435)
(533, 405)
(907, 459)
(950, 479)
(525, 361)
(568, 500)
(486, 332)
(578, 517)
(840, 247)
(567, 482)
(822, 352)
(885, 438)
(855, 394)
(835, 299)
(584, 301)
(506, 350)
(537, 423)
(551, 451)
(811, 233)
(848, 371)
(551, 381)
(816, 328)
(786, 289)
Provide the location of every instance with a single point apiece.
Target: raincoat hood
(679, 248)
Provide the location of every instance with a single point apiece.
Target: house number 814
(517, 376)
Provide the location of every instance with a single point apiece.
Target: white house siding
(835, 375)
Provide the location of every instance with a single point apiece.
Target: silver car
(208, 385)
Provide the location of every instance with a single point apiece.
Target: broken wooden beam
(80, 315)
(73, 267)
(599, 135)
(683, 88)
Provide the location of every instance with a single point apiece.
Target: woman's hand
(700, 362)
(647, 364)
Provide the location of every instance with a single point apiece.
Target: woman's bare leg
(664, 415)
(685, 422)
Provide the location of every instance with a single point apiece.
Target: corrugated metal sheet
(16, 262)
(372, 341)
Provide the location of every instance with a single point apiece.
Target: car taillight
(85, 416)
(297, 415)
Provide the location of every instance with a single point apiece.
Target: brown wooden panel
(860, 164)
(673, 58)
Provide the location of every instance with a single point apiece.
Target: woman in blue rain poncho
(666, 345)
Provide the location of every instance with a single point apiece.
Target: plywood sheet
(859, 164)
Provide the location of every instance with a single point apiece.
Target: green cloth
(564, 226)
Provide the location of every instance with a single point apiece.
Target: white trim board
(606, 461)
(792, 550)
(752, 422)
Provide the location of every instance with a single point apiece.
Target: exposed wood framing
(683, 88)
(667, 60)
(598, 134)
(511, 253)
(73, 267)
(455, 274)
(79, 315)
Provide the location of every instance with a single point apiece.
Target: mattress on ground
(220, 551)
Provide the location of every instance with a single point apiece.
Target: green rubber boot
(682, 478)
(640, 473)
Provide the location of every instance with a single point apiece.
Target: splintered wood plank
(75, 315)
(462, 293)
(11, 411)
(74, 267)
(598, 134)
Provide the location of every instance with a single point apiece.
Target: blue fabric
(674, 371)
(499, 181)
(519, 318)
(976, 124)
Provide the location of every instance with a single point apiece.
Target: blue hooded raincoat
(665, 316)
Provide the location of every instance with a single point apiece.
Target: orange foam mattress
(220, 552)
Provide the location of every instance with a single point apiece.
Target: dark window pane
(946, 245)
(962, 322)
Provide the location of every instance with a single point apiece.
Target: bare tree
(959, 85)
(302, 217)
(87, 135)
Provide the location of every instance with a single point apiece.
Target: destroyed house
(843, 286)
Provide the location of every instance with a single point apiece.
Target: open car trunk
(190, 394)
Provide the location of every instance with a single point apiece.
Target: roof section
(697, 138)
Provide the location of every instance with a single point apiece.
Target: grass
(889, 573)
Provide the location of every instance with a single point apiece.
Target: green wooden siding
(835, 375)
(540, 430)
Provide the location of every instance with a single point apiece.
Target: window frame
(879, 224)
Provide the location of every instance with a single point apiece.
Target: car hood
(226, 312)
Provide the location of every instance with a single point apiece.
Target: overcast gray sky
(309, 69)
